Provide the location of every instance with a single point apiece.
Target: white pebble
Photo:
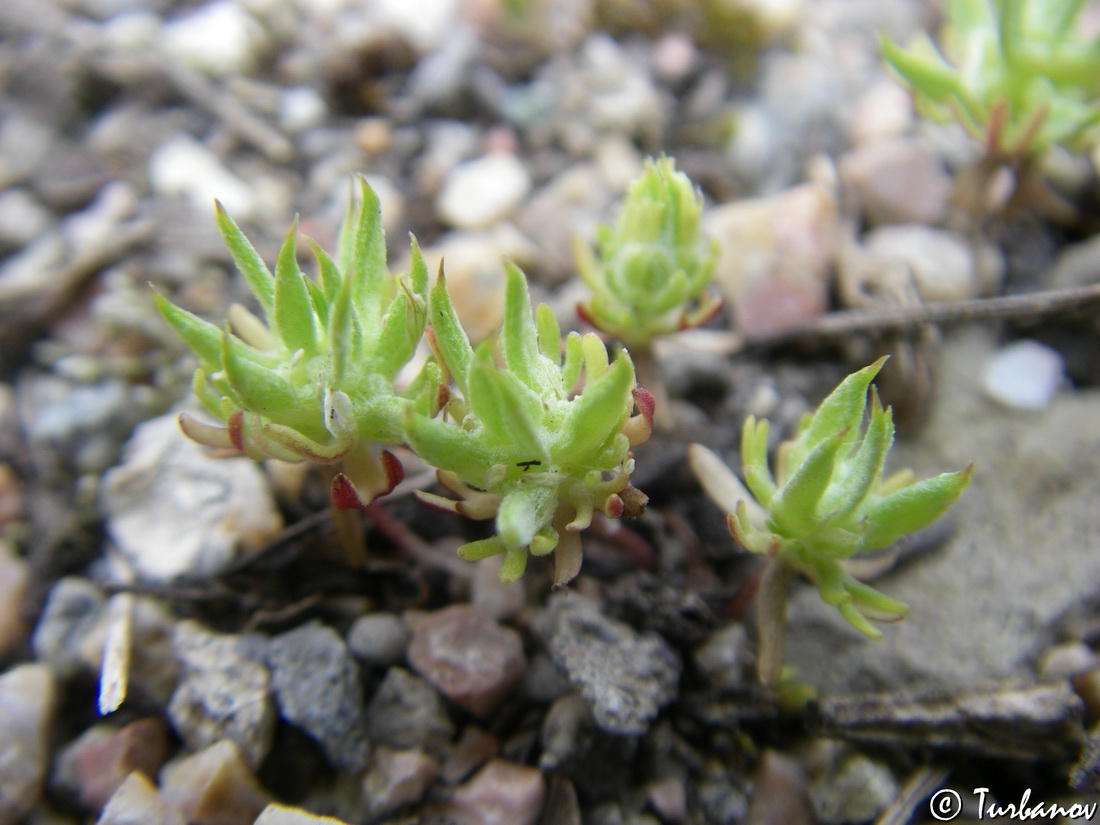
(301, 108)
(220, 38)
(1024, 375)
(480, 192)
(184, 167)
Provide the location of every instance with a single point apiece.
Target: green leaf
(261, 389)
(507, 410)
(481, 549)
(574, 360)
(793, 509)
(418, 270)
(329, 274)
(518, 338)
(294, 320)
(864, 468)
(842, 409)
(201, 336)
(912, 508)
(248, 261)
(454, 345)
(597, 413)
(927, 74)
(363, 254)
(523, 512)
(549, 334)
(447, 447)
(754, 460)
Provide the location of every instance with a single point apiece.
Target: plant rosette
(539, 441)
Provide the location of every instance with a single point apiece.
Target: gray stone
(171, 509)
(317, 688)
(406, 712)
(983, 606)
(379, 639)
(626, 676)
(73, 610)
(28, 699)
(224, 693)
(854, 788)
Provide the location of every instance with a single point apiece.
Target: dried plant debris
(1033, 722)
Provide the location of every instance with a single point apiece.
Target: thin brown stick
(907, 319)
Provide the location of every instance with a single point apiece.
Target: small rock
(779, 792)
(220, 38)
(406, 712)
(775, 255)
(1024, 375)
(425, 25)
(726, 657)
(183, 167)
(1078, 265)
(301, 108)
(275, 814)
(941, 264)
(898, 180)
(626, 676)
(854, 789)
(884, 110)
(171, 509)
(27, 705)
(62, 637)
(501, 793)
(496, 600)
(473, 749)
(136, 802)
(103, 757)
(481, 192)
(214, 787)
(22, 218)
(15, 575)
(379, 639)
(317, 687)
(598, 763)
(397, 778)
(224, 693)
(469, 658)
(669, 799)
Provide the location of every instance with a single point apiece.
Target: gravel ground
(268, 682)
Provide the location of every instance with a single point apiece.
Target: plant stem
(649, 377)
(771, 619)
(349, 526)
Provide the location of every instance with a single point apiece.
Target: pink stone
(214, 787)
(469, 658)
(501, 793)
(398, 777)
(104, 764)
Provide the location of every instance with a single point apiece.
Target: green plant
(652, 270)
(826, 501)
(540, 442)
(654, 266)
(1017, 74)
(315, 380)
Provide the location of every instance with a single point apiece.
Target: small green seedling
(654, 265)
(539, 442)
(1018, 74)
(826, 501)
(314, 380)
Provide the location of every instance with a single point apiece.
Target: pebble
(379, 639)
(23, 218)
(275, 814)
(494, 599)
(940, 263)
(726, 657)
(184, 167)
(406, 712)
(224, 693)
(853, 789)
(898, 180)
(599, 763)
(301, 108)
(97, 763)
(397, 778)
(1024, 375)
(214, 787)
(501, 793)
(172, 510)
(28, 699)
(63, 637)
(426, 24)
(317, 687)
(626, 676)
(468, 657)
(484, 191)
(136, 802)
(220, 38)
(15, 576)
(774, 259)
(884, 110)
